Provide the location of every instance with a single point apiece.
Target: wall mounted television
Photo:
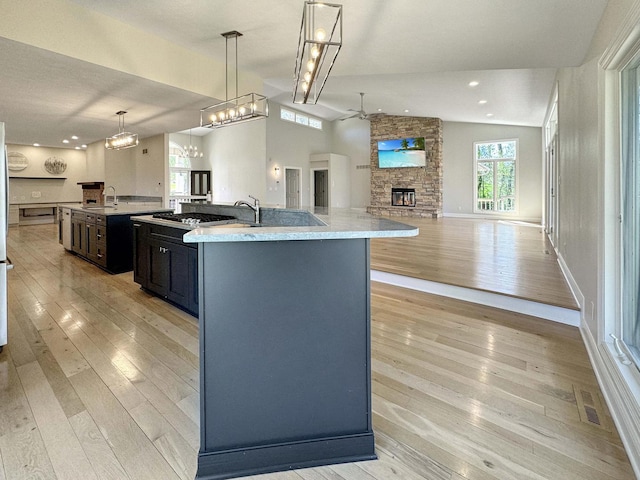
(402, 152)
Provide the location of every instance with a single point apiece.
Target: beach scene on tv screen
(402, 152)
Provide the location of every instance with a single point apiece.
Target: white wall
(587, 196)
(95, 162)
(120, 170)
(458, 182)
(51, 190)
(150, 166)
(353, 138)
(578, 163)
(237, 158)
(290, 145)
(339, 167)
(130, 171)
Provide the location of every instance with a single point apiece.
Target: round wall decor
(55, 165)
(17, 161)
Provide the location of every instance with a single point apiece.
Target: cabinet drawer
(170, 234)
(90, 217)
(101, 220)
(101, 233)
(101, 255)
(78, 216)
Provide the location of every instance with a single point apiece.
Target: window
(300, 118)
(315, 123)
(179, 171)
(495, 174)
(630, 209)
(287, 115)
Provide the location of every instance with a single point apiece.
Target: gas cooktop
(193, 218)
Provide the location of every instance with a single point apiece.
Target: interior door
(321, 188)
(200, 182)
(292, 185)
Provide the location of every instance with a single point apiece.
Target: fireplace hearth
(403, 197)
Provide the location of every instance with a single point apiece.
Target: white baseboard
(573, 285)
(504, 302)
(535, 220)
(620, 385)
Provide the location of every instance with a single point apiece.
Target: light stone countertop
(121, 209)
(340, 224)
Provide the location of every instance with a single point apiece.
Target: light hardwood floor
(100, 381)
(509, 258)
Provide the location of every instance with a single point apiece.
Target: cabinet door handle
(99, 255)
(98, 236)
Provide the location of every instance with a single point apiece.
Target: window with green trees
(495, 174)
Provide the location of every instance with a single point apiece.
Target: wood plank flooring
(509, 258)
(99, 380)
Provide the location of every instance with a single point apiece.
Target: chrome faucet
(255, 207)
(115, 199)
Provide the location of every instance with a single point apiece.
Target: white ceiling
(418, 55)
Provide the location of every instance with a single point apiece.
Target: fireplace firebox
(403, 197)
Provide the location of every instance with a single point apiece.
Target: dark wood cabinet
(78, 233)
(106, 240)
(166, 266)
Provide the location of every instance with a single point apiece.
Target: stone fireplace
(391, 187)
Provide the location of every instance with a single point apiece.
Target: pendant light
(250, 106)
(122, 139)
(318, 46)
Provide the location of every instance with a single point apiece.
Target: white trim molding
(548, 312)
(620, 386)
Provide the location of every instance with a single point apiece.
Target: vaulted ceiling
(409, 57)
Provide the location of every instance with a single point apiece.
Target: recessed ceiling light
(489, 114)
(74, 137)
(379, 109)
(77, 148)
(36, 144)
(83, 146)
(474, 84)
(406, 110)
(65, 141)
(482, 102)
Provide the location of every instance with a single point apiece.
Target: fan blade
(350, 116)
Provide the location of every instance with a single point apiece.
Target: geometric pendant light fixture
(241, 108)
(122, 139)
(318, 46)
(191, 151)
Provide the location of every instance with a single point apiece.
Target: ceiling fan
(361, 114)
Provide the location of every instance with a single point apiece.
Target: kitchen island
(103, 235)
(284, 316)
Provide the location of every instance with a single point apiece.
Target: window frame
(516, 195)
(299, 118)
(629, 92)
(183, 169)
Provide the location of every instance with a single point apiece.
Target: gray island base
(285, 376)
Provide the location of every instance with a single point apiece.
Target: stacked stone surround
(427, 181)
